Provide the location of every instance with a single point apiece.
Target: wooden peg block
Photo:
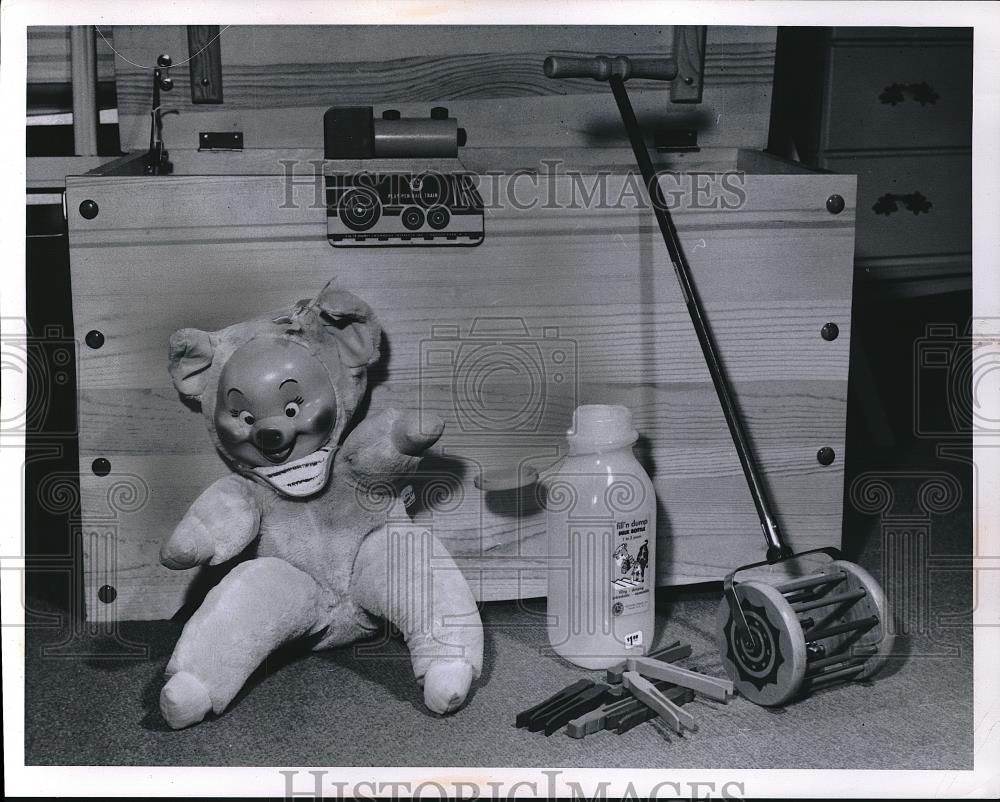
(643, 690)
(576, 706)
(607, 717)
(588, 723)
(538, 719)
(672, 692)
(678, 696)
(667, 654)
(616, 716)
(556, 698)
(721, 690)
(597, 720)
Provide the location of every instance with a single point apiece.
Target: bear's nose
(270, 439)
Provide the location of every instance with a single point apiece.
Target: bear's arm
(222, 522)
(388, 444)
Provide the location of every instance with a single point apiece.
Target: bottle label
(631, 574)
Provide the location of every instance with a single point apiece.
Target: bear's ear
(191, 352)
(352, 323)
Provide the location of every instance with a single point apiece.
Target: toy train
(397, 180)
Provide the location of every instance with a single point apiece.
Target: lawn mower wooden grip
(601, 68)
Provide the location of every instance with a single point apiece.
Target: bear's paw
(446, 684)
(184, 700)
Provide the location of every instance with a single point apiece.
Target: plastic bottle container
(601, 528)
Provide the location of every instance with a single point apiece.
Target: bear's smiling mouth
(304, 476)
(279, 456)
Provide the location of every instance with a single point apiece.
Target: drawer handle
(913, 202)
(923, 93)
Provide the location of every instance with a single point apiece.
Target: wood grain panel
(612, 343)
(501, 553)
(685, 415)
(723, 201)
(556, 122)
(690, 56)
(599, 277)
(208, 251)
(611, 160)
(280, 79)
(204, 63)
(49, 54)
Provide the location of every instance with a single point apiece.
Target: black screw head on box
(826, 455)
(391, 114)
(107, 594)
(101, 466)
(835, 204)
(204, 82)
(89, 209)
(164, 60)
(439, 113)
(94, 339)
(830, 331)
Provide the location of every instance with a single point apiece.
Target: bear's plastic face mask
(275, 407)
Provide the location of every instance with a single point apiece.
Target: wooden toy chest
(582, 291)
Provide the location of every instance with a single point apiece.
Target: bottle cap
(600, 427)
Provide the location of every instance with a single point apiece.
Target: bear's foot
(446, 684)
(184, 700)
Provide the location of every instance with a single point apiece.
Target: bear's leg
(404, 574)
(258, 606)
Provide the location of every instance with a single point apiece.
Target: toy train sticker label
(391, 209)
(630, 579)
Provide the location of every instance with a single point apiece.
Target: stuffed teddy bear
(309, 510)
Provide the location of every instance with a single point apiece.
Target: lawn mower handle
(602, 68)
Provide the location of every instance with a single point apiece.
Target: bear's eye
(291, 409)
(245, 416)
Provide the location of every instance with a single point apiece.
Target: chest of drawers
(894, 107)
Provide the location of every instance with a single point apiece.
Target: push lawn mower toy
(777, 642)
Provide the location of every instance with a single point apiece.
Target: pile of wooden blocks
(637, 689)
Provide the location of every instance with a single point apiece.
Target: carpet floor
(350, 708)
